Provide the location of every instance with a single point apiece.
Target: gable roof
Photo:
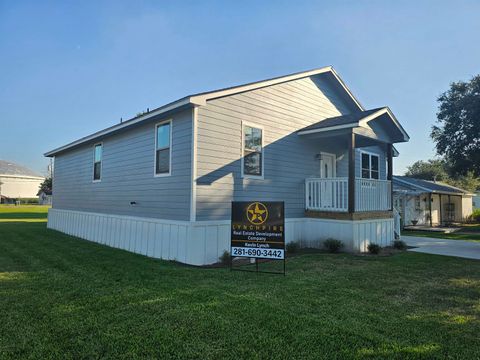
(9, 168)
(356, 119)
(200, 99)
(337, 122)
(427, 186)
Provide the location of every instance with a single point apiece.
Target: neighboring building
(45, 197)
(161, 184)
(422, 202)
(17, 182)
(476, 201)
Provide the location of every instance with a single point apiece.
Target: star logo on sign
(257, 213)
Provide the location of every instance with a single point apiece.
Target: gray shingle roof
(341, 120)
(427, 186)
(10, 168)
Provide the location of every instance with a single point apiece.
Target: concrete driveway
(459, 248)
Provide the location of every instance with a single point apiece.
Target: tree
(441, 170)
(434, 170)
(457, 135)
(46, 185)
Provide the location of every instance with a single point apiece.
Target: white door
(327, 170)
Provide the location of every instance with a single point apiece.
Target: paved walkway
(460, 248)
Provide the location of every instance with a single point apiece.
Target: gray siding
(128, 175)
(289, 158)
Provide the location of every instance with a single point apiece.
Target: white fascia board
(385, 110)
(169, 107)
(203, 98)
(22, 177)
(330, 128)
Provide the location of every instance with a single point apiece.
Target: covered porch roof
(378, 124)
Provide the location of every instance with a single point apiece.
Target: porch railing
(372, 195)
(331, 194)
(327, 194)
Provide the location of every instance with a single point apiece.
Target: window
(97, 162)
(252, 151)
(162, 148)
(417, 203)
(370, 166)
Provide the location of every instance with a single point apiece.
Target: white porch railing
(372, 195)
(331, 194)
(327, 194)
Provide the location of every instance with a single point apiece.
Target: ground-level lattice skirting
(202, 242)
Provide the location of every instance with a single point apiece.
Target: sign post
(258, 231)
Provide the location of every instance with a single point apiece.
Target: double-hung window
(163, 138)
(252, 159)
(370, 166)
(97, 162)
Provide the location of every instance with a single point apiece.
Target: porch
(364, 163)
(332, 195)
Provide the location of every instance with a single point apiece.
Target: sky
(70, 68)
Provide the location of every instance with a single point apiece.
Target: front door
(327, 170)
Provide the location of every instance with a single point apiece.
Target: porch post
(390, 172)
(351, 173)
(430, 208)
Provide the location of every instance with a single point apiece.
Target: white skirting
(203, 242)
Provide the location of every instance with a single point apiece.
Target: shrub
(225, 258)
(399, 245)
(476, 215)
(374, 248)
(333, 245)
(292, 247)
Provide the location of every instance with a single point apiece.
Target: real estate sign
(258, 229)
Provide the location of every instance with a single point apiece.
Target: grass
(65, 298)
(470, 235)
(25, 213)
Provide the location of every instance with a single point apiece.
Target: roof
(427, 186)
(200, 99)
(9, 168)
(349, 120)
(355, 119)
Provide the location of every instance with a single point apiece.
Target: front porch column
(390, 172)
(351, 173)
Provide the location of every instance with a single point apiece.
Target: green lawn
(65, 298)
(463, 235)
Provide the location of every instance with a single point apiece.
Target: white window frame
(370, 154)
(101, 163)
(242, 151)
(155, 149)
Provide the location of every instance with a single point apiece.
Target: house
(429, 203)
(17, 182)
(162, 183)
(45, 197)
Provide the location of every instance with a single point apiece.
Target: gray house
(161, 184)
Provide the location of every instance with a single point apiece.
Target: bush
(333, 245)
(399, 245)
(225, 258)
(374, 248)
(475, 215)
(292, 247)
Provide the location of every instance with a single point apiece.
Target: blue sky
(70, 68)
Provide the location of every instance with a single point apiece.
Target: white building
(17, 182)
